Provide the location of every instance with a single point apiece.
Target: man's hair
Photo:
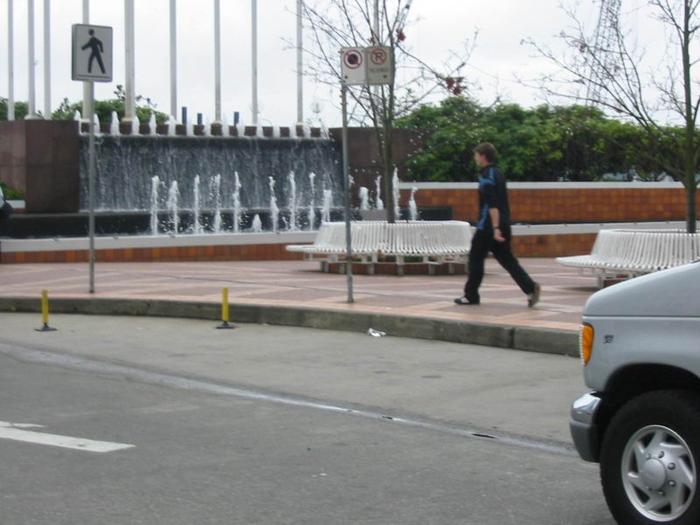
(488, 150)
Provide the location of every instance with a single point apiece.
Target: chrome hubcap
(658, 473)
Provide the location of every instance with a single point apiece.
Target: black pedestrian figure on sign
(95, 44)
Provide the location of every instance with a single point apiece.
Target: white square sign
(380, 65)
(352, 65)
(92, 53)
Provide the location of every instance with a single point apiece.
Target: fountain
(152, 125)
(327, 205)
(135, 126)
(240, 131)
(364, 198)
(96, 124)
(306, 132)
(259, 132)
(257, 224)
(379, 202)
(236, 204)
(395, 193)
(215, 186)
(311, 213)
(155, 184)
(207, 127)
(114, 125)
(172, 206)
(276, 132)
(197, 225)
(274, 210)
(172, 126)
(412, 206)
(292, 201)
(77, 116)
(189, 129)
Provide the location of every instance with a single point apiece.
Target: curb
(559, 342)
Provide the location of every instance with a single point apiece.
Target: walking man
(96, 50)
(493, 232)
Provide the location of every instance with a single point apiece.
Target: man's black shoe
(463, 301)
(534, 297)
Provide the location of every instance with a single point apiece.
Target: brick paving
(298, 283)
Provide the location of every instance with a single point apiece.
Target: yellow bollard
(225, 324)
(45, 313)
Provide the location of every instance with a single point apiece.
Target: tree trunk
(690, 133)
(388, 158)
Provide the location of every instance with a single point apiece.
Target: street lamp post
(47, 59)
(217, 61)
(173, 58)
(10, 61)
(129, 40)
(31, 110)
(254, 37)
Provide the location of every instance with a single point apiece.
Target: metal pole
(86, 88)
(173, 58)
(47, 59)
(377, 28)
(31, 111)
(217, 61)
(300, 61)
(91, 182)
(10, 61)
(346, 179)
(254, 36)
(129, 40)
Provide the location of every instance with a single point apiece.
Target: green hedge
(541, 144)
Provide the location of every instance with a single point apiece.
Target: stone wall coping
(547, 185)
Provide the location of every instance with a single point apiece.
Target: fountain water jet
(152, 125)
(240, 131)
(114, 125)
(135, 126)
(311, 213)
(96, 123)
(236, 204)
(395, 193)
(292, 202)
(197, 225)
(257, 224)
(274, 210)
(77, 116)
(327, 204)
(412, 206)
(155, 184)
(172, 126)
(172, 206)
(379, 202)
(364, 198)
(216, 194)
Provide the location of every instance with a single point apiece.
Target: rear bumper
(584, 430)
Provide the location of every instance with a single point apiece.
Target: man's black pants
(483, 243)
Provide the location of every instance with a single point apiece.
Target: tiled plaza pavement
(301, 284)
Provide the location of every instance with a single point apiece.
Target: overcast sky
(440, 25)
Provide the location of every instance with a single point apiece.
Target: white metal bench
(629, 253)
(422, 242)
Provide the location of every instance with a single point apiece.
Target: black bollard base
(225, 325)
(46, 328)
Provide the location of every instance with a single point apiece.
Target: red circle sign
(378, 57)
(353, 59)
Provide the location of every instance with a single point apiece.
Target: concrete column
(31, 113)
(300, 62)
(173, 58)
(10, 61)
(217, 61)
(129, 45)
(254, 36)
(47, 59)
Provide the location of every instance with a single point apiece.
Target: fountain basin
(162, 248)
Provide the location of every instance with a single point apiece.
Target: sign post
(360, 66)
(92, 62)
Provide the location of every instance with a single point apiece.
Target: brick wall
(559, 205)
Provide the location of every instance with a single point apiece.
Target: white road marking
(17, 432)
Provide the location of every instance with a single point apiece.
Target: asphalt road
(207, 451)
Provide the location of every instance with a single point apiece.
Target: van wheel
(650, 458)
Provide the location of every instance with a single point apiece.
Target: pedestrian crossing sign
(92, 53)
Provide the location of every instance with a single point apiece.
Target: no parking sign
(367, 65)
